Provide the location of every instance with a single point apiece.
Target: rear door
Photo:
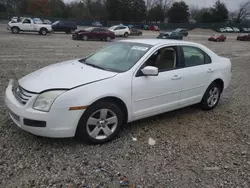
(197, 74)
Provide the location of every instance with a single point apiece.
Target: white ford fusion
(94, 97)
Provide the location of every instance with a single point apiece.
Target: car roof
(155, 42)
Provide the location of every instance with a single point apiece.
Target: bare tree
(165, 4)
(243, 12)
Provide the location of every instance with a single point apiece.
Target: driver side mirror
(150, 71)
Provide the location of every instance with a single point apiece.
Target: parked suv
(64, 26)
(120, 30)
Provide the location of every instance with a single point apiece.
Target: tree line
(126, 10)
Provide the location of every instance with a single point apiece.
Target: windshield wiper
(96, 66)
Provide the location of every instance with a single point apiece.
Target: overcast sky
(231, 4)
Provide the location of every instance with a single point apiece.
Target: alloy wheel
(102, 124)
(213, 97)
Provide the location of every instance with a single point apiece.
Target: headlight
(45, 100)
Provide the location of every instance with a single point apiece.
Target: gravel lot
(193, 148)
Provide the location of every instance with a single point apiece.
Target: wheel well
(118, 102)
(43, 28)
(15, 27)
(220, 83)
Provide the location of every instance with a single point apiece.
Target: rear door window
(194, 56)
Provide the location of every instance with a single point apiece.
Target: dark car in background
(93, 33)
(183, 32)
(64, 26)
(134, 31)
(217, 38)
(244, 37)
(170, 35)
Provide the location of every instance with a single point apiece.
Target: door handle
(176, 77)
(210, 70)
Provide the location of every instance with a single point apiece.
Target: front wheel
(100, 123)
(211, 97)
(108, 39)
(15, 30)
(43, 31)
(84, 37)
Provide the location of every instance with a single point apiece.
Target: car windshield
(117, 57)
(37, 20)
(177, 30)
(112, 28)
(56, 22)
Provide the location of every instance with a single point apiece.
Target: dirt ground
(193, 148)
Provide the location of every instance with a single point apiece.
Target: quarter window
(194, 56)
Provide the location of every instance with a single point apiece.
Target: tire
(15, 30)
(104, 132)
(71, 31)
(108, 39)
(43, 31)
(211, 97)
(126, 35)
(84, 38)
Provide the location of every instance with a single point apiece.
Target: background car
(96, 24)
(170, 35)
(120, 30)
(244, 37)
(217, 38)
(134, 31)
(221, 30)
(245, 30)
(145, 27)
(64, 26)
(236, 30)
(154, 28)
(229, 30)
(130, 26)
(183, 32)
(93, 33)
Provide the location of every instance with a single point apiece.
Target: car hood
(65, 75)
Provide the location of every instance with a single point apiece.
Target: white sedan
(94, 97)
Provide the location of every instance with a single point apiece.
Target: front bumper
(76, 36)
(59, 122)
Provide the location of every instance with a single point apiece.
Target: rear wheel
(211, 97)
(126, 35)
(84, 37)
(100, 123)
(15, 30)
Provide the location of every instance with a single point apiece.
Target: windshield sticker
(139, 48)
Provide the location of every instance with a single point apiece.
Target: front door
(152, 95)
(197, 75)
(27, 26)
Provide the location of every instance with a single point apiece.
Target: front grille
(21, 94)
